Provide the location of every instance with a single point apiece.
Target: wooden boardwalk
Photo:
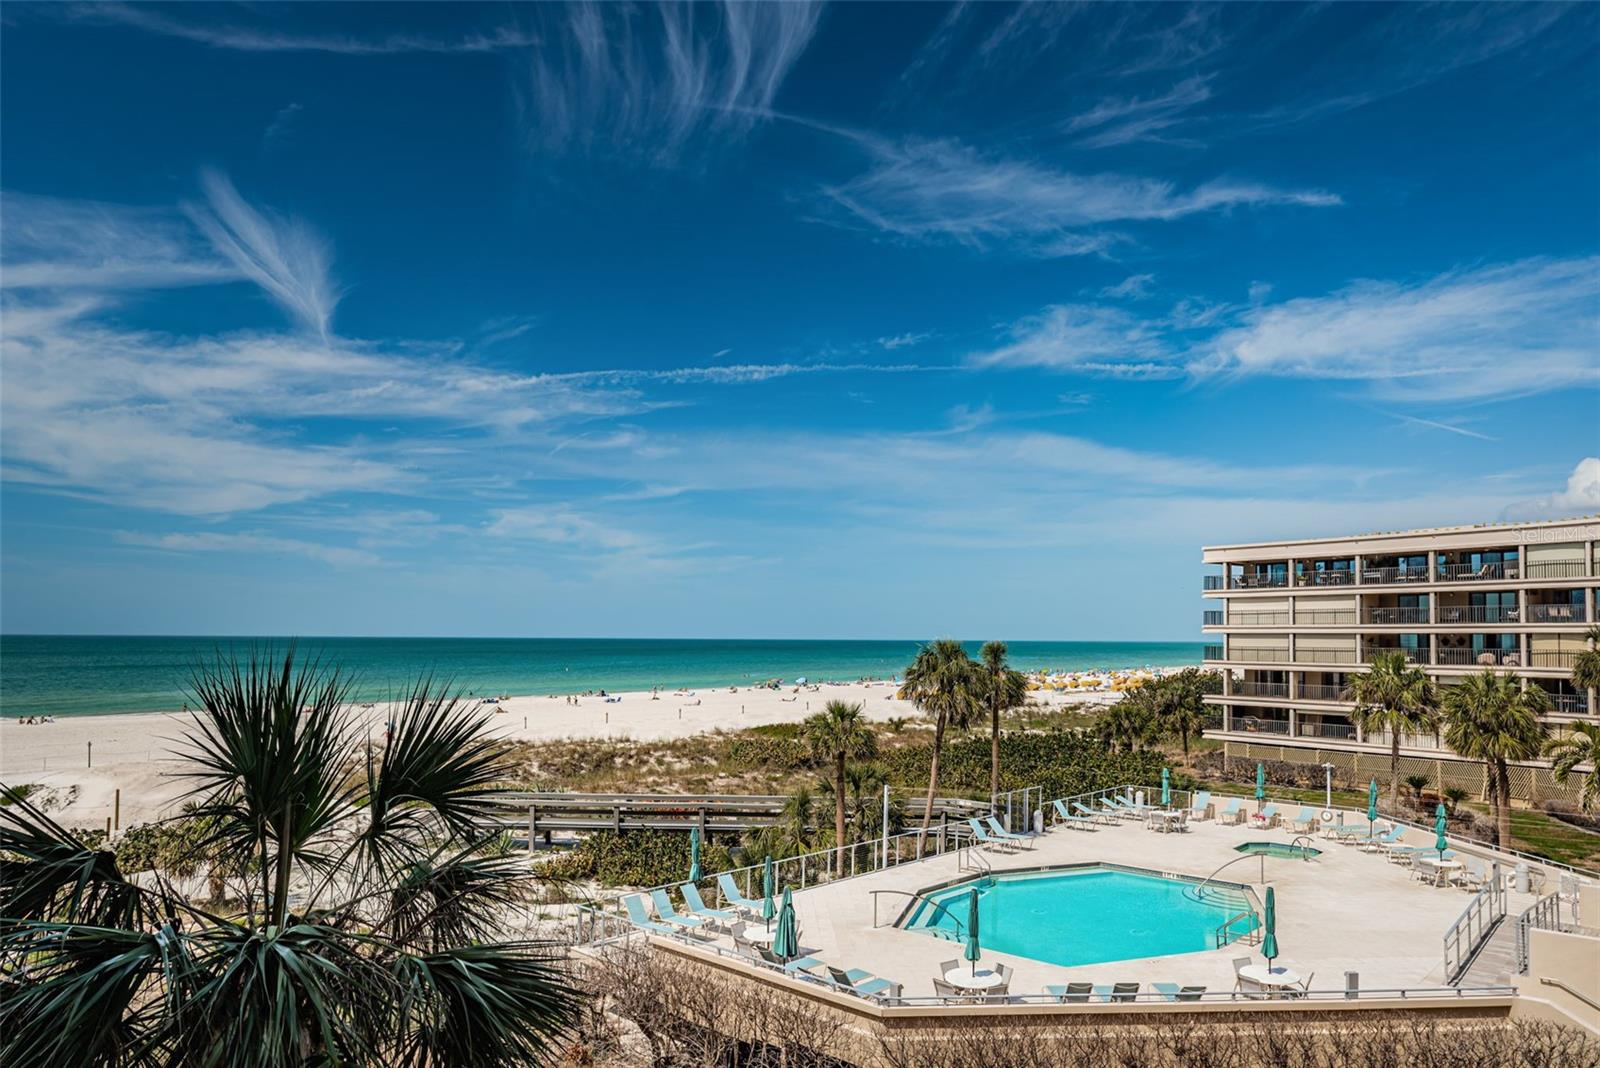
(1496, 962)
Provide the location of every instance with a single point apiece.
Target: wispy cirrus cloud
(651, 82)
(1086, 337)
(270, 36)
(942, 190)
(284, 256)
(1124, 120)
(252, 544)
(85, 245)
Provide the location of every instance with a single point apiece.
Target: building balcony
(1553, 658)
(1211, 652)
(1479, 572)
(1415, 655)
(1316, 691)
(1480, 657)
(1260, 580)
(1324, 617)
(1259, 725)
(1393, 576)
(1388, 617)
(1251, 688)
(1244, 617)
(1321, 579)
(1407, 741)
(1211, 582)
(1568, 704)
(1260, 654)
(1211, 618)
(1557, 613)
(1343, 732)
(1557, 569)
(1479, 613)
(1326, 656)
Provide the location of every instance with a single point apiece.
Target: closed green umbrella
(973, 951)
(1440, 823)
(1261, 784)
(694, 855)
(1372, 807)
(786, 943)
(1269, 945)
(1166, 788)
(768, 910)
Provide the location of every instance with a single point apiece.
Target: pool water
(1279, 849)
(1082, 916)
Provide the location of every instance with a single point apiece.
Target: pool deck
(1343, 911)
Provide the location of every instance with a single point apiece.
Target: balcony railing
(1387, 617)
(1557, 613)
(1251, 688)
(1343, 731)
(1257, 653)
(1479, 613)
(1211, 652)
(1324, 617)
(1253, 725)
(1415, 656)
(1326, 578)
(1389, 576)
(1553, 658)
(1480, 657)
(1558, 569)
(1326, 656)
(1317, 691)
(1212, 619)
(1239, 618)
(1407, 741)
(1261, 581)
(1211, 582)
(1479, 572)
(1569, 704)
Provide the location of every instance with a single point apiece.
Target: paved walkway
(1344, 911)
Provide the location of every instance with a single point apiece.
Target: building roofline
(1421, 532)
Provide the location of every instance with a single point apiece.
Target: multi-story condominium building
(1297, 618)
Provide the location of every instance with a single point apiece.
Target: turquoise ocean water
(83, 676)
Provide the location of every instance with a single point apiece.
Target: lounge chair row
(1113, 992)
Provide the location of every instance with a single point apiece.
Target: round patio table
(966, 979)
(1278, 977)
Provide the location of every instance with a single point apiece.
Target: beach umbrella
(1440, 822)
(694, 855)
(767, 908)
(1372, 807)
(1166, 788)
(786, 943)
(973, 950)
(1269, 945)
(1261, 783)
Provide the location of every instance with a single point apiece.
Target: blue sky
(779, 320)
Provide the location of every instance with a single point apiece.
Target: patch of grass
(10, 795)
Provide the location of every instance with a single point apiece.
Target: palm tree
(1490, 717)
(377, 925)
(1004, 688)
(1581, 746)
(1393, 695)
(1586, 669)
(840, 733)
(791, 834)
(942, 682)
(863, 789)
(1130, 722)
(1182, 704)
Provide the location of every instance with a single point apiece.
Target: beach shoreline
(81, 762)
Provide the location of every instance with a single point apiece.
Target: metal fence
(1474, 926)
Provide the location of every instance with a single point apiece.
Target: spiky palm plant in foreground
(375, 928)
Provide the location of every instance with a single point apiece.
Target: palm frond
(51, 875)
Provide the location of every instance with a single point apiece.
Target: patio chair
(1124, 991)
(1267, 817)
(744, 946)
(1472, 874)
(697, 906)
(987, 840)
(1191, 993)
(948, 966)
(1388, 841)
(1084, 823)
(860, 982)
(1007, 836)
(1093, 814)
(945, 990)
(639, 915)
(668, 914)
(1200, 807)
(1239, 963)
(1168, 991)
(1250, 989)
(1233, 813)
(1305, 822)
(798, 964)
(731, 894)
(1071, 993)
(1006, 971)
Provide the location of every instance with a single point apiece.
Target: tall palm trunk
(1394, 768)
(1503, 816)
(838, 812)
(933, 782)
(994, 751)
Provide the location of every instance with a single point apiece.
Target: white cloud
(1494, 331)
(564, 526)
(903, 341)
(1133, 287)
(249, 544)
(599, 78)
(1083, 336)
(933, 190)
(1122, 120)
(1581, 496)
(270, 39)
(87, 245)
(283, 256)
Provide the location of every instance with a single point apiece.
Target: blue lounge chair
(1388, 841)
(1097, 816)
(1233, 813)
(1266, 817)
(668, 914)
(697, 906)
(1306, 821)
(1063, 816)
(1200, 807)
(987, 839)
(861, 982)
(799, 964)
(640, 916)
(1168, 991)
(730, 894)
(1005, 835)
(1072, 993)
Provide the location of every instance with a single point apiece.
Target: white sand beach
(81, 762)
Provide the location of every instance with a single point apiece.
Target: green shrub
(635, 858)
(1063, 762)
(751, 750)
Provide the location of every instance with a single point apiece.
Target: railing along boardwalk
(1465, 939)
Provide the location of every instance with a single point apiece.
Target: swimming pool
(1082, 915)
(1279, 849)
